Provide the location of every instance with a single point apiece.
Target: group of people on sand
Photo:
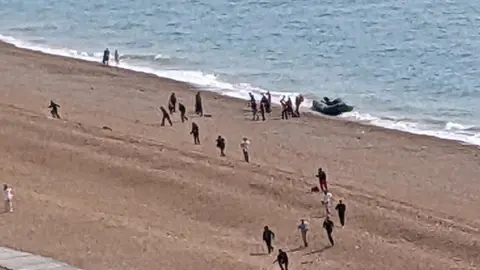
(266, 106)
(268, 235)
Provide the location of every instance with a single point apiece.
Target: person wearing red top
(322, 178)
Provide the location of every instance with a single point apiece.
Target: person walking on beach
(182, 110)
(196, 133)
(253, 106)
(303, 227)
(221, 144)
(106, 56)
(322, 179)
(165, 116)
(328, 226)
(341, 207)
(268, 237)
(269, 98)
(172, 103)
(8, 197)
(54, 106)
(298, 102)
(266, 103)
(198, 104)
(284, 109)
(244, 145)
(327, 202)
(117, 57)
(282, 259)
(262, 110)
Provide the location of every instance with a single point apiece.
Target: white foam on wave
(211, 82)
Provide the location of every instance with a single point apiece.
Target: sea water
(407, 65)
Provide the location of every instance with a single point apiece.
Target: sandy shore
(144, 197)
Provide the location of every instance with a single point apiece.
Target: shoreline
(137, 194)
(437, 133)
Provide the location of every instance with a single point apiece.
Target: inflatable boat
(332, 108)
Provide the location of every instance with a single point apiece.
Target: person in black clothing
(262, 110)
(290, 107)
(172, 103)
(54, 106)
(298, 102)
(196, 133)
(268, 237)
(182, 110)
(266, 103)
(322, 179)
(269, 99)
(198, 104)
(166, 116)
(328, 226)
(221, 144)
(282, 259)
(253, 105)
(340, 207)
(106, 56)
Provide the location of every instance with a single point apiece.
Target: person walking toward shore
(303, 227)
(322, 179)
(328, 226)
(54, 106)
(182, 110)
(268, 236)
(106, 56)
(196, 133)
(221, 144)
(282, 259)
(8, 197)
(244, 145)
(165, 116)
(341, 207)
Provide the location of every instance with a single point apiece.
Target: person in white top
(8, 197)
(327, 201)
(244, 145)
(303, 227)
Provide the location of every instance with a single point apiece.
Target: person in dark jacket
(282, 259)
(196, 133)
(341, 207)
(268, 237)
(198, 104)
(221, 144)
(262, 110)
(54, 106)
(172, 103)
(165, 116)
(328, 226)
(322, 179)
(182, 110)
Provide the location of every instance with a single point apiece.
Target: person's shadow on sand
(317, 251)
(258, 254)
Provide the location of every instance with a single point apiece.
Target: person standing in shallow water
(328, 226)
(196, 133)
(54, 106)
(244, 145)
(268, 236)
(182, 110)
(165, 116)
(117, 57)
(221, 144)
(106, 56)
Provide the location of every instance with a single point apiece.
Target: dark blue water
(408, 65)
